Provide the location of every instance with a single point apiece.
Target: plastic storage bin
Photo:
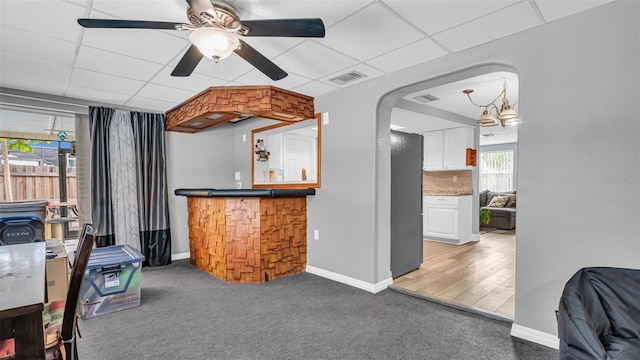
(111, 281)
(22, 221)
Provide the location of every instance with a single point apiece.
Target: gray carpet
(188, 314)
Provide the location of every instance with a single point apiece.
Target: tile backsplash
(459, 182)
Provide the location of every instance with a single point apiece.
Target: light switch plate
(325, 118)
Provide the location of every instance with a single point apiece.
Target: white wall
(201, 160)
(578, 137)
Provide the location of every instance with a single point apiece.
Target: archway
(383, 175)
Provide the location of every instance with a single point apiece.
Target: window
(496, 170)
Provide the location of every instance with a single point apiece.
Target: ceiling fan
(214, 26)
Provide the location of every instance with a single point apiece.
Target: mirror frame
(286, 185)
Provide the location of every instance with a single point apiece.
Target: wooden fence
(37, 183)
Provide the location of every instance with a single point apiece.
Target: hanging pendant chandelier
(492, 115)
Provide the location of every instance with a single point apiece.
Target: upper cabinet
(447, 149)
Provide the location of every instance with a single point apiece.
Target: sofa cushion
(498, 201)
(483, 197)
(511, 203)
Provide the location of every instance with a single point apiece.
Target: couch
(599, 315)
(502, 217)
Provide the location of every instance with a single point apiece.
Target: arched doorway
(391, 101)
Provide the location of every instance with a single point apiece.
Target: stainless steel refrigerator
(406, 202)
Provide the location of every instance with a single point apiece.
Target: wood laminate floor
(478, 275)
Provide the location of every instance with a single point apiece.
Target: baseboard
(535, 336)
(363, 285)
(180, 256)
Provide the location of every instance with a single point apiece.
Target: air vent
(348, 77)
(425, 98)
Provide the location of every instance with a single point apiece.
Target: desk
(22, 288)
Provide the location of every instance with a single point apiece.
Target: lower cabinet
(447, 218)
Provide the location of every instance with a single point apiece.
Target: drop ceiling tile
(38, 47)
(166, 93)
(152, 10)
(115, 64)
(256, 77)
(364, 69)
(329, 11)
(487, 28)
(553, 9)
(438, 15)
(52, 18)
(95, 80)
(312, 60)
(370, 32)
(109, 97)
(194, 82)
(226, 69)
(13, 81)
(272, 46)
(420, 51)
(153, 105)
(34, 69)
(150, 45)
(314, 88)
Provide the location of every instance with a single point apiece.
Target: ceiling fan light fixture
(214, 42)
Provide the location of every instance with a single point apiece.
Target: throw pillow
(498, 201)
(512, 201)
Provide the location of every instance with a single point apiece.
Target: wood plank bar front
(248, 240)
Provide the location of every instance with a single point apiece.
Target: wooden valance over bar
(217, 105)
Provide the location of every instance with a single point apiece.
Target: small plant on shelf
(261, 150)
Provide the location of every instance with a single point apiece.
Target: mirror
(287, 155)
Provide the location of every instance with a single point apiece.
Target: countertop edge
(271, 193)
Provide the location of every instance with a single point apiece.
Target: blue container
(111, 281)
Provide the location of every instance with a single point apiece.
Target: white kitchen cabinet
(447, 149)
(448, 219)
(433, 150)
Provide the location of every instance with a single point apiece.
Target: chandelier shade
(492, 115)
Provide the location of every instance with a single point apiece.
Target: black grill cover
(599, 315)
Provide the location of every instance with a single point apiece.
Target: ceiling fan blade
(285, 27)
(128, 24)
(253, 57)
(188, 63)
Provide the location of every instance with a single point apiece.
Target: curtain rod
(28, 100)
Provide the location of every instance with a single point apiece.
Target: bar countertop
(270, 193)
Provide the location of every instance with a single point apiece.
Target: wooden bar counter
(249, 235)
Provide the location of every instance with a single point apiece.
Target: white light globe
(214, 42)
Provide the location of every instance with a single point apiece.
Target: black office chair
(59, 317)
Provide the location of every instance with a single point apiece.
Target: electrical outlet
(238, 185)
(455, 178)
(316, 234)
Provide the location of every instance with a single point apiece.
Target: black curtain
(153, 207)
(101, 210)
(153, 212)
